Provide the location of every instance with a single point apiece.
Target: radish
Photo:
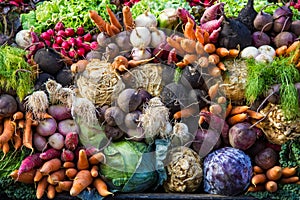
(46, 127)
(66, 126)
(212, 25)
(212, 12)
(50, 154)
(70, 32)
(67, 155)
(59, 26)
(80, 31)
(71, 141)
(56, 141)
(30, 162)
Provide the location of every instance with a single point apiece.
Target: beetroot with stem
(247, 15)
(260, 38)
(241, 136)
(114, 116)
(266, 158)
(263, 21)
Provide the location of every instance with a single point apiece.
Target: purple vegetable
(67, 155)
(60, 112)
(213, 37)
(295, 27)
(284, 38)
(266, 158)
(212, 25)
(71, 141)
(263, 21)
(282, 18)
(46, 127)
(50, 153)
(212, 12)
(227, 171)
(260, 38)
(184, 14)
(39, 142)
(241, 136)
(30, 162)
(66, 126)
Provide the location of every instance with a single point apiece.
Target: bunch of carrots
(54, 176)
(267, 180)
(294, 49)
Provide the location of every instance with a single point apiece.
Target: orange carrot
(173, 43)
(239, 109)
(209, 48)
(199, 35)
(56, 176)
(97, 19)
(185, 113)
(68, 164)
(134, 63)
(79, 66)
(233, 53)
(26, 177)
(228, 109)
(257, 188)
(97, 158)
(120, 63)
(289, 171)
(17, 140)
(44, 115)
(101, 187)
(237, 118)
(214, 71)
(206, 37)
(113, 19)
(82, 180)
(257, 169)
(188, 31)
(94, 171)
(18, 115)
(41, 187)
(51, 191)
(71, 173)
(188, 45)
(222, 52)
(27, 135)
(280, 51)
(82, 162)
(296, 56)
(109, 30)
(5, 149)
(255, 115)
(51, 166)
(213, 90)
(214, 58)
(293, 47)
(8, 131)
(127, 18)
(65, 185)
(187, 59)
(37, 176)
(271, 186)
(221, 66)
(21, 124)
(292, 179)
(274, 173)
(258, 179)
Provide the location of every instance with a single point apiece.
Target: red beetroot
(71, 141)
(67, 155)
(50, 154)
(80, 31)
(30, 162)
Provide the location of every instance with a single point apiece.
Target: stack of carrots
(267, 180)
(55, 176)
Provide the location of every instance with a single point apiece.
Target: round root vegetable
(39, 142)
(271, 186)
(274, 173)
(66, 126)
(113, 132)
(258, 179)
(56, 141)
(81, 181)
(241, 136)
(266, 158)
(59, 112)
(131, 119)
(114, 116)
(67, 155)
(47, 127)
(283, 38)
(129, 100)
(71, 141)
(8, 105)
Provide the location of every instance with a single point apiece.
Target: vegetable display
(133, 96)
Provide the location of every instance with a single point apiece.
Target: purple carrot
(30, 162)
(213, 37)
(50, 154)
(184, 14)
(212, 25)
(212, 12)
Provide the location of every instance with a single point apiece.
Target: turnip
(56, 141)
(249, 52)
(39, 142)
(59, 112)
(66, 126)
(241, 136)
(140, 37)
(168, 18)
(23, 38)
(140, 54)
(267, 50)
(264, 58)
(46, 127)
(283, 38)
(8, 105)
(122, 40)
(157, 37)
(146, 19)
(103, 40)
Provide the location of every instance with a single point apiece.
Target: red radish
(79, 42)
(87, 37)
(60, 112)
(30, 162)
(94, 45)
(63, 52)
(91, 151)
(46, 127)
(39, 142)
(80, 31)
(59, 26)
(56, 141)
(184, 14)
(71, 141)
(66, 126)
(48, 43)
(212, 25)
(61, 33)
(59, 40)
(65, 45)
(213, 37)
(72, 42)
(67, 155)
(87, 47)
(56, 46)
(72, 53)
(50, 32)
(70, 32)
(211, 13)
(50, 154)
(46, 36)
(81, 51)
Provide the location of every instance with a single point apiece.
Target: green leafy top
(15, 72)
(72, 13)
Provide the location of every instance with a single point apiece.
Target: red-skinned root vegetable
(212, 25)
(71, 141)
(47, 127)
(184, 14)
(66, 126)
(39, 142)
(241, 136)
(30, 162)
(8, 105)
(212, 12)
(266, 158)
(50, 154)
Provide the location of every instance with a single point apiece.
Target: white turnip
(57, 141)
(157, 37)
(47, 127)
(60, 112)
(66, 126)
(23, 38)
(146, 19)
(249, 52)
(267, 50)
(140, 37)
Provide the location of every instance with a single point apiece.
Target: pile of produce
(99, 98)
